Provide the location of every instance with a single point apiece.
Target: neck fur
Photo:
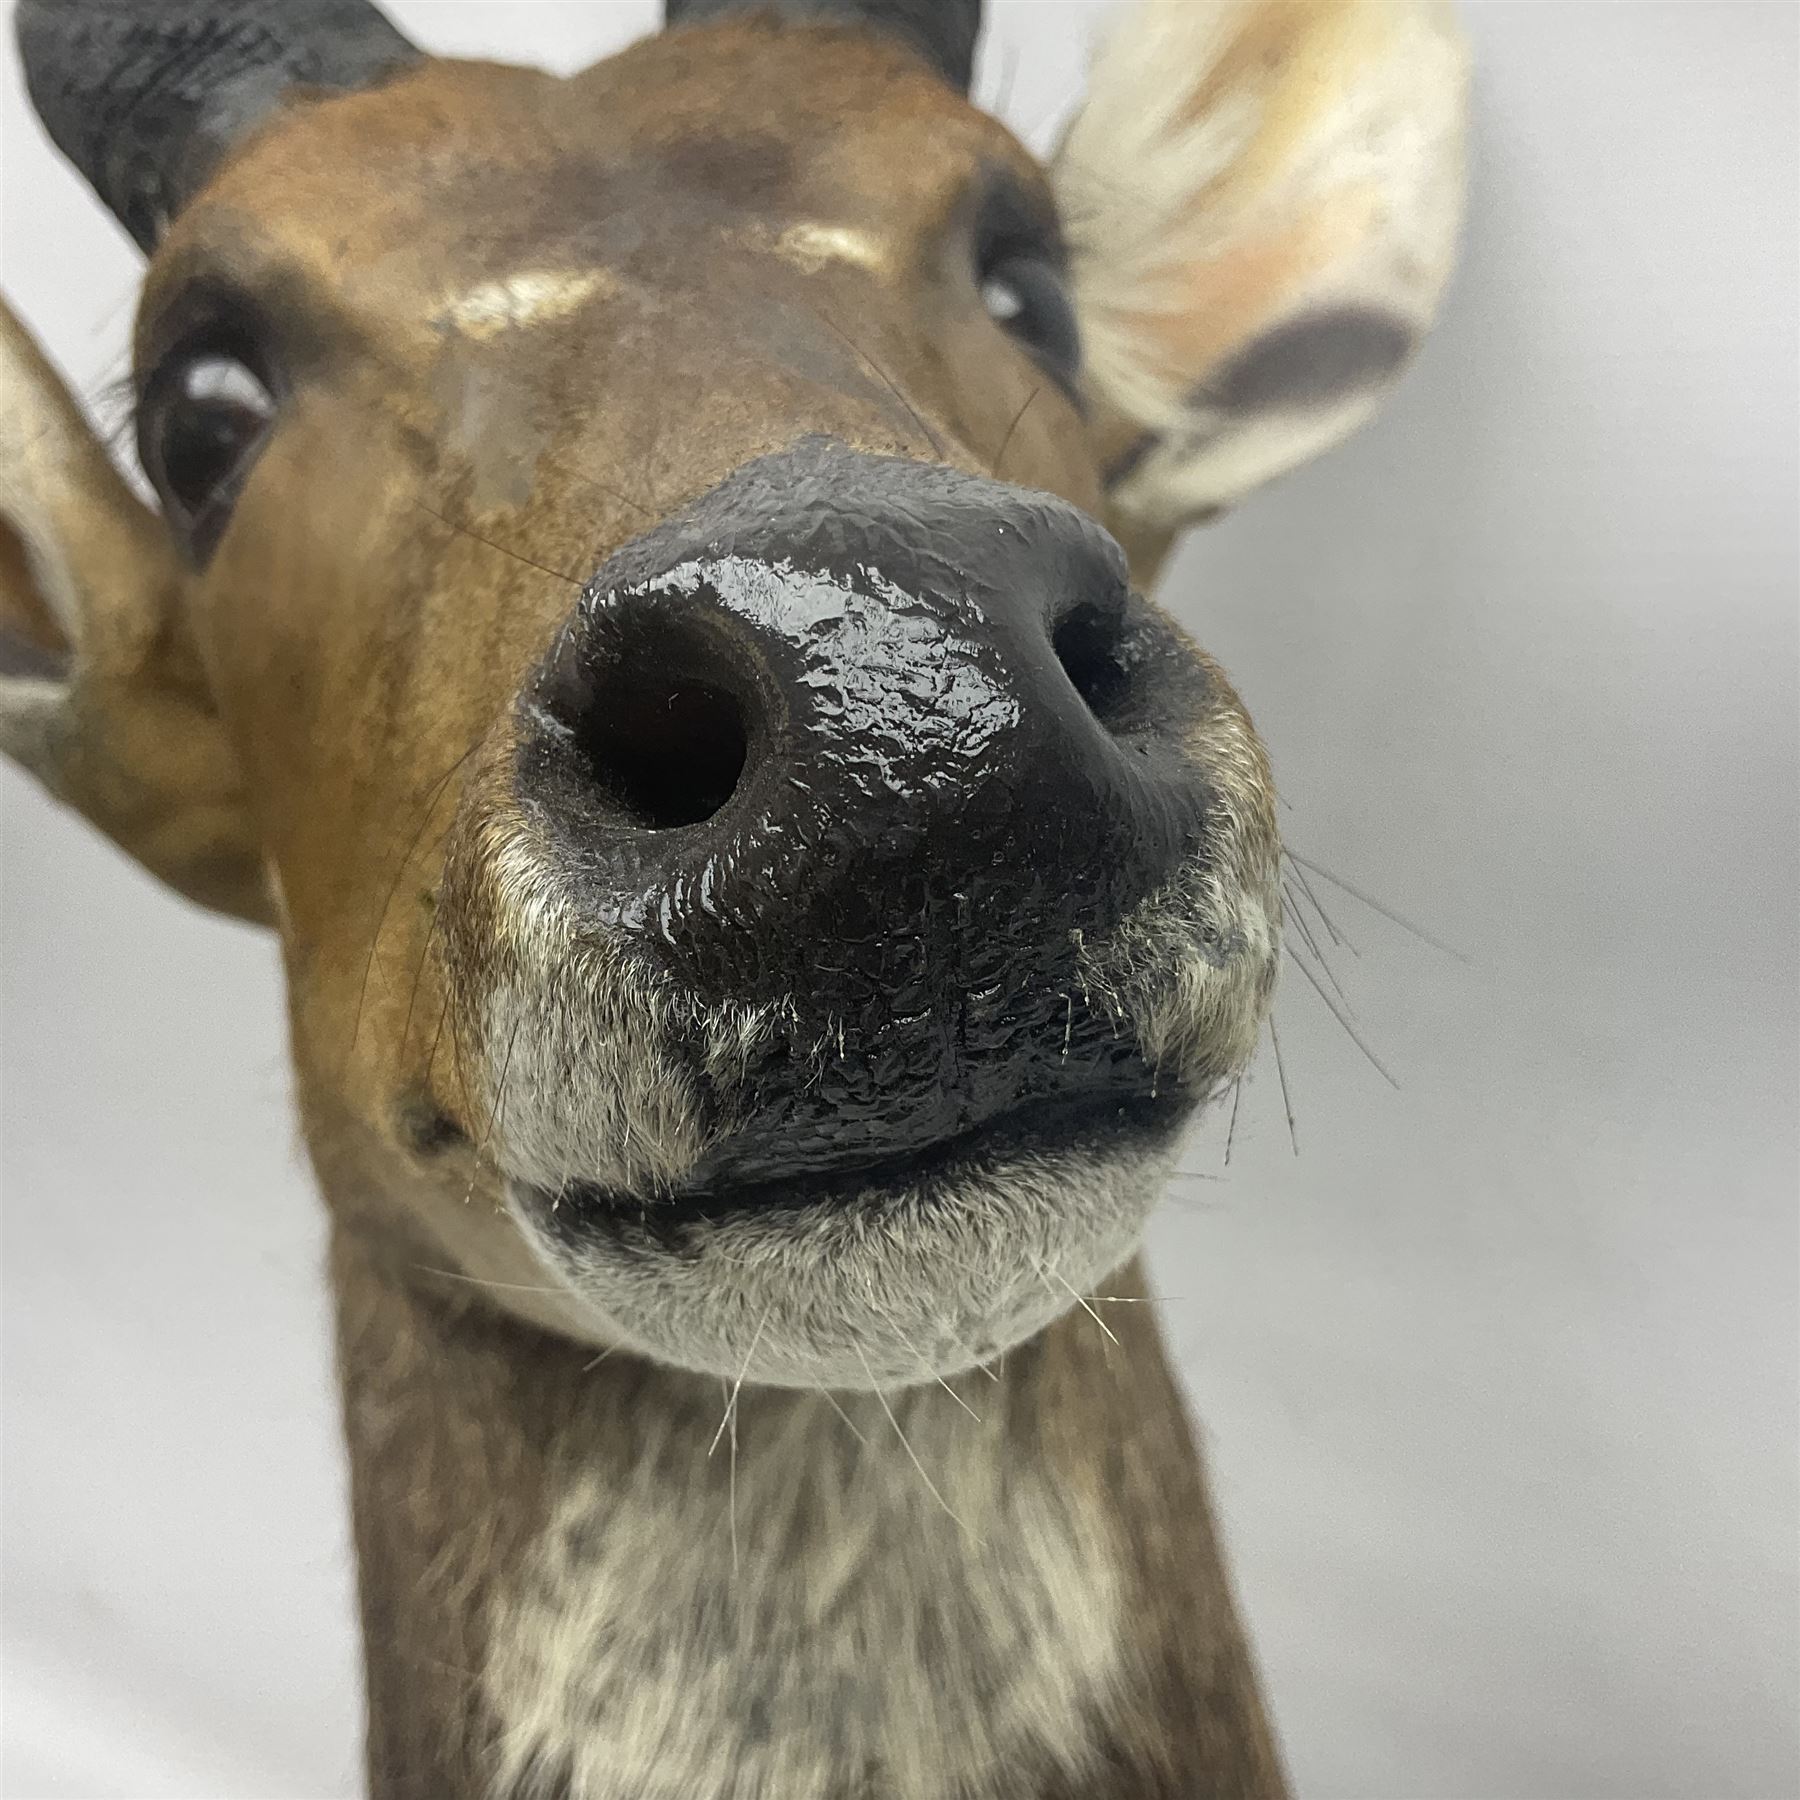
(575, 1585)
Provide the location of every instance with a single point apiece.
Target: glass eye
(1027, 296)
(202, 419)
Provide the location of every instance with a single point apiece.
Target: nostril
(667, 751)
(1089, 645)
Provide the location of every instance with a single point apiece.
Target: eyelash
(115, 407)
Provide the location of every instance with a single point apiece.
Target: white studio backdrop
(1499, 1370)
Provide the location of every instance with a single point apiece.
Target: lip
(583, 1211)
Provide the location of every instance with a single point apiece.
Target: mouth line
(925, 1178)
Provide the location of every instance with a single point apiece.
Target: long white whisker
(731, 1485)
(513, 1287)
(960, 1401)
(737, 1386)
(925, 1366)
(1081, 1300)
(830, 1400)
(1281, 1072)
(1342, 1018)
(1133, 1299)
(931, 1486)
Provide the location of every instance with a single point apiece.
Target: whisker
(1350, 1030)
(496, 1115)
(412, 997)
(1281, 1070)
(437, 1038)
(893, 1325)
(954, 1395)
(1291, 910)
(1194, 1203)
(600, 487)
(731, 1412)
(1237, 1094)
(1292, 914)
(737, 1386)
(912, 1454)
(892, 386)
(1081, 1301)
(435, 793)
(462, 1087)
(1017, 419)
(511, 1287)
(1337, 937)
(494, 544)
(595, 1362)
(831, 1400)
(1374, 905)
(925, 1368)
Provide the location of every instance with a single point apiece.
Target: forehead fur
(458, 167)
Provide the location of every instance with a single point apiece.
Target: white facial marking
(810, 245)
(532, 297)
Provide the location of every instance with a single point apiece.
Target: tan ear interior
(32, 644)
(101, 695)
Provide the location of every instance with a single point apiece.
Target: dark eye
(204, 414)
(1027, 296)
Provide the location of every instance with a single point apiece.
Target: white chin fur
(879, 1291)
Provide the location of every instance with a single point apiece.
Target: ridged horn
(942, 31)
(145, 96)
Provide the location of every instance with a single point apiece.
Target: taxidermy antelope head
(636, 602)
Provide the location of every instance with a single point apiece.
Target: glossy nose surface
(878, 747)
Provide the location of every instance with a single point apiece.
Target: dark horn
(942, 31)
(145, 96)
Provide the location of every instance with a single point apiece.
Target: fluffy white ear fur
(1263, 199)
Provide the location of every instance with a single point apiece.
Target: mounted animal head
(637, 604)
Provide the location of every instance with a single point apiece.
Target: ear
(101, 695)
(1262, 199)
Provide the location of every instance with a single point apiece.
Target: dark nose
(883, 750)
